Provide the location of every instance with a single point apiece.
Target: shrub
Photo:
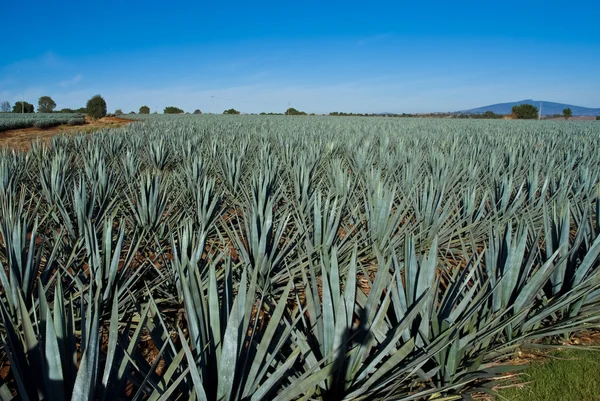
(172, 110)
(525, 112)
(96, 107)
(293, 112)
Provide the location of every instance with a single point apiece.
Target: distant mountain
(548, 108)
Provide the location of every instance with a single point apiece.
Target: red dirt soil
(20, 139)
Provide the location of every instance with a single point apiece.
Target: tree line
(96, 108)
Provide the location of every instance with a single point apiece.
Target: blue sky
(315, 56)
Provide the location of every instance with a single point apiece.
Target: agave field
(10, 121)
(284, 258)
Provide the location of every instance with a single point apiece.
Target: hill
(548, 108)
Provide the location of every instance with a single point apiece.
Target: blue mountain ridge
(548, 108)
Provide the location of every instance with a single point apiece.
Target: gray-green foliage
(40, 120)
(261, 258)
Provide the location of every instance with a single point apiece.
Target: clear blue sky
(317, 56)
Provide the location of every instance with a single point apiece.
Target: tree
(525, 112)
(293, 112)
(197, 111)
(172, 110)
(46, 104)
(5, 106)
(491, 114)
(567, 113)
(144, 110)
(231, 111)
(96, 107)
(23, 107)
(118, 112)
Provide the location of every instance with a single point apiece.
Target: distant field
(281, 258)
(10, 121)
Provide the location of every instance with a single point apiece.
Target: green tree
(172, 110)
(5, 107)
(144, 110)
(490, 114)
(525, 112)
(46, 104)
(567, 113)
(293, 112)
(197, 111)
(23, 107)
(231, 111)
(118, 112)
(96, 107)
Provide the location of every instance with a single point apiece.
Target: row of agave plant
(250, 258)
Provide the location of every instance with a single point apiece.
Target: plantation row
(284, 258)
(10, 121)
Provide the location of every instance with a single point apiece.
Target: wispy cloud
(69, 82)
(47, 60)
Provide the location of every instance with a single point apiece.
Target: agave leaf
(214, 311)
(528, 293)
(5, 393)
(588, 262)
(31, 341)
(276, 377)
(173, 368)
(112, 343)
(231, 341)
(196, 379)
(512, 270)
(392, 362)
(54, 375)
(86, 376)
(18, 362)
(304, 383)
(328, 315)
(167, 394)
(269, 334)
(392, 341)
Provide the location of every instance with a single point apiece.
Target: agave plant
(259, 257)
(230, 354)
